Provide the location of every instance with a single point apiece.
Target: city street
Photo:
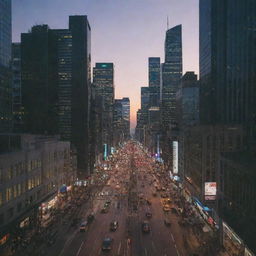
(131, 194)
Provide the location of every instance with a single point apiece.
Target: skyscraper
(227, 65)
(126, 115)
(103, 82)
(5, 65)
(39, 80)
(228, 62)
(16, 88)
(171, 75)
(188, 101)
(121, 120)
(154, 71)
(64, 68)
(81, 89)
(56, 84)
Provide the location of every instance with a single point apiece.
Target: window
(9, 173)
(14, 191)
(8, 193)
(1, 175)
(19, 189)
(1, 198)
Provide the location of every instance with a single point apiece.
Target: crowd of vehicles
(119, 182)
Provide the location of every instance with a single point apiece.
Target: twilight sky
(125, 32)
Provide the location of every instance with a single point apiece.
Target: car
(84, 226)
(168, 200)
(164, 195)
(145, 227)
(148, 202)
(154, 194)
(107, 244)
(166, 208)
(104, 210)
(167, 223)
(148, 214)
(114, 225)
(174, 210)
(90, 217)
(107, 204)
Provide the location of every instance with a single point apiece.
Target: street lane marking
(119, 248)
(153, 245)
(172, 238)
(146, 253)
(80, 248)
(68, 242)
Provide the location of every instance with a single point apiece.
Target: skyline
(132, 35)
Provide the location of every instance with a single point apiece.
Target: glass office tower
(171, 75)
(5, 65)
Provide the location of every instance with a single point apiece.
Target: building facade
(187, 99)
(63, 39)
(171, 75)
(121, 122)
(30, 175)
(103, 82)
(39, 81)
(5, 65)
(227, 62)
(81, 91)
(154, 71)
(17, 110)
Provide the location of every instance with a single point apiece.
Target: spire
(167, 22)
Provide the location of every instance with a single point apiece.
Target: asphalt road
(132, 176)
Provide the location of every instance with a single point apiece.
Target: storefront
(4, 239)
(25, 223)
(231, 241)
(46, 211)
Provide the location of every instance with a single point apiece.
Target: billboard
(210, 190)
(175, 156)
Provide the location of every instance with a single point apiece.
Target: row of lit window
(18, 169)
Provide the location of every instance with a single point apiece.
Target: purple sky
(125, 32)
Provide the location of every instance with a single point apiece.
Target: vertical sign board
(210, 190)
(105, 151)
(175, 156)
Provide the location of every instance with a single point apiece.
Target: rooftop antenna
(167, 22)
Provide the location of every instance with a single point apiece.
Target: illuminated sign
(4, 239)
(210, 190)
(105, 151)
(175, 156)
